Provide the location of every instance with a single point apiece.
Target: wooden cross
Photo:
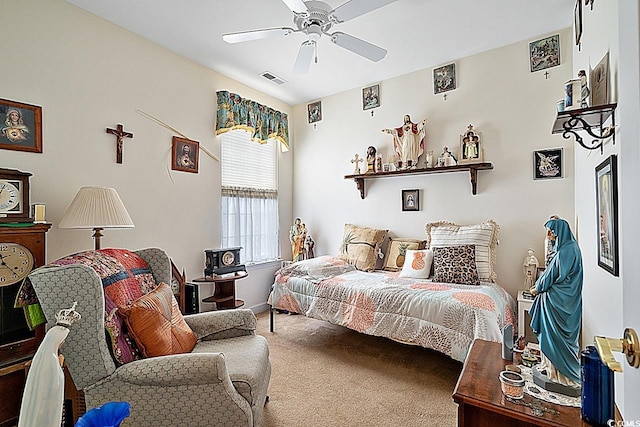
(119, 133)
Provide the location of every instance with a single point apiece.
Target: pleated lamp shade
(96, 208)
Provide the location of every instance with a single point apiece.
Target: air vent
(275, 79)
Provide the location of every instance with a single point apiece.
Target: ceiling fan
(315, 18)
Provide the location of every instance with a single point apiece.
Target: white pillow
(417, 264)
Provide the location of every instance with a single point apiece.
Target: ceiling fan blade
(296, 6)
(361, 47)
(305, 56)
(245, 36)
(354, 8)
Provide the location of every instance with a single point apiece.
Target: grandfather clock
(18, 344)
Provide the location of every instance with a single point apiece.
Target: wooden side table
(224, 292)
(482, 404)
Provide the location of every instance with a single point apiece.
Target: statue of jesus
(408, 140)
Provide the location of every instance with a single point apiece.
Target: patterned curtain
(235, 112)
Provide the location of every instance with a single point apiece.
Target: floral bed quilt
(444, 317)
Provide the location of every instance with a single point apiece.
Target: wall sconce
(96, 208)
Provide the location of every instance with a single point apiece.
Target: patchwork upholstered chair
(219, 378)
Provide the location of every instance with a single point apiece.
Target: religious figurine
(43, 395)
(309, 244)
(446, 158)
(556, 311)
(584, 89)
(356, 161)
(408, 141)
(530, 267)
(297, 235)
(371, 159)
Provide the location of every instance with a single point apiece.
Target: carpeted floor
(326, 375)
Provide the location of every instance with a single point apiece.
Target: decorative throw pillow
(360, 246)
(455, 264)
(417, 264)
(397, 252)
(156, 324)
(125, 277)
(484, 236)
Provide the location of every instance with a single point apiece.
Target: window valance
(235, 112)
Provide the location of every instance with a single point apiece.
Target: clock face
(16, 262)
(10, 196)
(228, 258)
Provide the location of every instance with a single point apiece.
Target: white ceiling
(418, 34)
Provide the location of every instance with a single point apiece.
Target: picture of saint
(186, 159)
(184, 154)
(14, 128)
(314, 111)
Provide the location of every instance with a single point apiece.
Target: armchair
(222, 382)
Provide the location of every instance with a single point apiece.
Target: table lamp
(96, 208)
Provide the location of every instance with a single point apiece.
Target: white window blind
(249, 197)
(248, 164)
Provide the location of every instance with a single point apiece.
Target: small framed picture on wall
(371, 97)
(607, 214)
(314, 112)
(20, 126)
(547, 164)
(410, 200)
(444, 78)
(184, 154)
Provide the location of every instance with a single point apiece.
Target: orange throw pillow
(156, 324)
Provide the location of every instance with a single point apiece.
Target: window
(249, 197)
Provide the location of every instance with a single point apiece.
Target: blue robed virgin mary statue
(557, 308)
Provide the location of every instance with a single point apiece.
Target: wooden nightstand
(482, 404)
(224, 292)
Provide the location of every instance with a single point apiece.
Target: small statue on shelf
(530, 267)
(371, 159)
(584, 89)
(408, 141)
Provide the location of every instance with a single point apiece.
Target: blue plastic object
(598, 397)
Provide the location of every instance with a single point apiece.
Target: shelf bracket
(578, 123)
(474, 180)
(360, 185)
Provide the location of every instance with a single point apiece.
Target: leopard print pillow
(455, 264)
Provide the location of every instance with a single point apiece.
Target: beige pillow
(360, 246)
(397, 252)
(156, 324)
(484, 236)
(417, 264)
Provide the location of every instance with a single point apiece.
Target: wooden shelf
(472, 168)
(590, 120)
(224, 292)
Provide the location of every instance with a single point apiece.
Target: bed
(442, 315)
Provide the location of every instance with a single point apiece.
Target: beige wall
(512, 107)
(610, 303)
(88, 74)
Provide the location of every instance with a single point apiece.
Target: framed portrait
(539, 271)
(314, 112)
(599, 79)
(544, 53)
(20, 126)
(371, 97)
(547, 164)
(577, 21)
(410, 200)
(444, 78)
(184, 154)
(470, 146)
(607, 214)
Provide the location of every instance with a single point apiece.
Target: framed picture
(184, 154)
(607, 214)
(547, 164)
(444, 78)
(371, 97)
(599, 78)
(20, 126)
(539, 271)
(314, 111)
(544, 53)
(577, 21)
(470, 146)
(410, 200)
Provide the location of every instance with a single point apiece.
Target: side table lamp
(96, 208)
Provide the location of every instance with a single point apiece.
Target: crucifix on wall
(119, 133)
